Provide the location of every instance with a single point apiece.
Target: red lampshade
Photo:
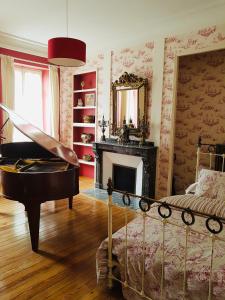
(67, 52)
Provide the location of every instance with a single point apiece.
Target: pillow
(209, 183)
(191, 189)
(220, 186)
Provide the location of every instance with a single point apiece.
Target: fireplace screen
(124, 178)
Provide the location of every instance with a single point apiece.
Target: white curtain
(8, 92)
(120, 116)
(132, 106)
(28, 98)
(54, 98)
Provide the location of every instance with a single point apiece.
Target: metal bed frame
(164, 213)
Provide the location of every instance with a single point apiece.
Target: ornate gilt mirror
(129, 105)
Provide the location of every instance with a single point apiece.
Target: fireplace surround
(147, 162)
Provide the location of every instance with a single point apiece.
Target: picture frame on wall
(89, 99)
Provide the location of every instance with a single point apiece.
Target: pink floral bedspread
(198, 258)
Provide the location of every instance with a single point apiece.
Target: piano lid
(41, 138)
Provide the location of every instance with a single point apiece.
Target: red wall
(22, 55)
(1, 120)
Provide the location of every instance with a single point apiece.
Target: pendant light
(65, 51)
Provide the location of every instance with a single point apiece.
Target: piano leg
(71, 202)
(33, 215)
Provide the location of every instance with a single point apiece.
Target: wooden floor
(64, 268)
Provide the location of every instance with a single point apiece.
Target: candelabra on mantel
(143, 129)
(103, 124)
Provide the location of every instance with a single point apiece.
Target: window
(28, 98)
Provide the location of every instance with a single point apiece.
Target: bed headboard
(215, 154)
(219, 165)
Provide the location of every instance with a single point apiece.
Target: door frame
(179, 54)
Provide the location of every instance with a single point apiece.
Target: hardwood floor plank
(65, 266)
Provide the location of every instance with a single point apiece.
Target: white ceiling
(105, 24)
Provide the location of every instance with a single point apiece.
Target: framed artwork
(89, 99)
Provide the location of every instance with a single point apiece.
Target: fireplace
(124, 178)
(141, 158)
(110, 159)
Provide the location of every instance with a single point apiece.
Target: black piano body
(51, 173)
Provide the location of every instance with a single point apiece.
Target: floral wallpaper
(98, 63)
(136, 60)
(176, 45)
(200, 110)
(66, 106)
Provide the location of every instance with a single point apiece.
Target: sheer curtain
(119, 110)
(54, 96)
(8, 78)
(28, 98)
(132, 106)
(22, 91)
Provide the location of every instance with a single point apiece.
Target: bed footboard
(185, 223)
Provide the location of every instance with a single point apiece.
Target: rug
(101, 194)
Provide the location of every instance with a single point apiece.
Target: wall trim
(16, 43)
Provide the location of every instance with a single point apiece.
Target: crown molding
(16, 43)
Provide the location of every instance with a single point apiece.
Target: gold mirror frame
(128, 81)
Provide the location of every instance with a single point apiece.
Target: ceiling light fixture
(65, 51)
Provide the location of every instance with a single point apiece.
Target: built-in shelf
(90, 163)
(82, 144)
(84, 124)
(83, 107)
(84, 90)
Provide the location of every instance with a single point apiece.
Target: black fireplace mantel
(147, 153)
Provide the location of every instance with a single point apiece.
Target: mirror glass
(129, 100)
(130, 106)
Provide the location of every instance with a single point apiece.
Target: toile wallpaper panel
(200, 110)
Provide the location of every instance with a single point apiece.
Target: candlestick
(103, 124)
(143, 127)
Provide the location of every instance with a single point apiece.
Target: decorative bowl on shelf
(88, 119)
(86, 137)
(87, 157)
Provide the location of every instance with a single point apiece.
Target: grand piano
(35, 172)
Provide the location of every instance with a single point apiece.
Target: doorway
(200, 111)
